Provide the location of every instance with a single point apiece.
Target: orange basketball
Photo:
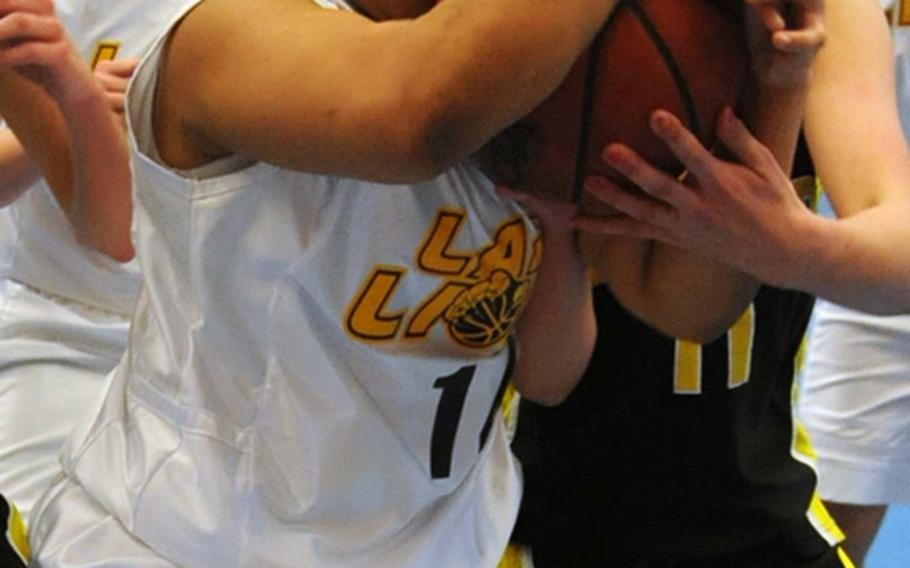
(685, 56)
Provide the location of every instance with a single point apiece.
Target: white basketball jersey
(44, 253)
(314, 369)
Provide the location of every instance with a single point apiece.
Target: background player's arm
(66, 125)
(854, 134)
(394, 101)
(17, 171)
(690, 293)
(557, 330)
(36, 125)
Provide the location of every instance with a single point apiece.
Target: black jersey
(13, 539)
(674, 454)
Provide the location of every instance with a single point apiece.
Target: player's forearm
(861, 156)
(859, 261)
(557, 330)
(81, 153)
(37, 124)
(782, 58)
(774, 115)
(101, 205)
(17, 171)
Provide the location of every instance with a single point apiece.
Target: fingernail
(613, 155)
(727, 115)
(660, 122)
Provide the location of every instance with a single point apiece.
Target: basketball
(688, 57)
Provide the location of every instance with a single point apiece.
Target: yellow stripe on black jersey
(670, 453)
(14, 550)
(516, 556)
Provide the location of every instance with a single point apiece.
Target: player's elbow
(549, 382)
(553, 390)
(118, 249)
(542, 395)
(121, 254)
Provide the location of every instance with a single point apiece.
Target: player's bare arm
(557, 330)
(854, 133)
(717, 272)
(17, 171)
(60, 113)
(393, 101)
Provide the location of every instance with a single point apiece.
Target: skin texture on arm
(17, 171)
(396, 101)
(37, 123)
(686, 291)
(557, 330)
(102, 209)
(854, 134)
(62, 116)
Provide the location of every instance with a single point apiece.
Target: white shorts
(54, 357)
(71, 530)
(855, 403)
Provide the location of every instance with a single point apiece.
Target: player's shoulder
(198, 41)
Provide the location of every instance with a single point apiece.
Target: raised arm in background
(62, 116)
(855, 137)
(17, 171)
